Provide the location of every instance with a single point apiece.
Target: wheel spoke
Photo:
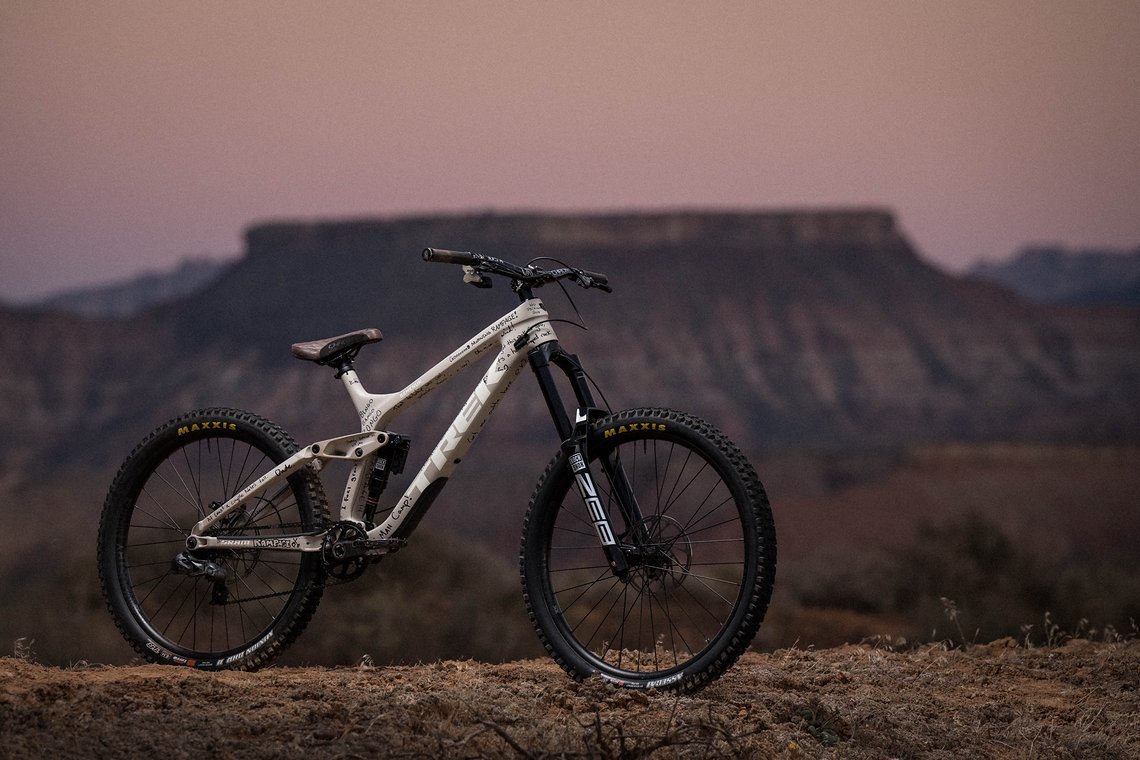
(177, 478)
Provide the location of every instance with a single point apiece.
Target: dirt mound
(1078, 700)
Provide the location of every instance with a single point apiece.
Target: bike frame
(521, 333)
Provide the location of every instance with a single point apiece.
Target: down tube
(452, 447)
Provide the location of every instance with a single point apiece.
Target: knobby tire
(701, 571)
(166, 485)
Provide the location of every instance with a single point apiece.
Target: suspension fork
(574, 441)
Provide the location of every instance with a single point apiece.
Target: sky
(133, 134)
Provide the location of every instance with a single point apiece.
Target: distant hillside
(800, 334)
(819, 328)
(813, 328)
(123, 299)
(1058, 275)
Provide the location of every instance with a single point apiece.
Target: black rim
(198, 616)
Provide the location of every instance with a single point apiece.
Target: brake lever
(587, 282)
(472, 276)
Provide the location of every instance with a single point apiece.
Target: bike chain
(313, 587)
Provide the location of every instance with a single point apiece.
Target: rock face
(128, 298)
(816, 328)
(1057, 275)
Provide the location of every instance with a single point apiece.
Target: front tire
(702, 560)
(179, 474)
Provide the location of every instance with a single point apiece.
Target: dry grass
(993, 700)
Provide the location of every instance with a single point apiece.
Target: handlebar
(529, 276)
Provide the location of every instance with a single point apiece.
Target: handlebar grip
(449, 257)
(597, 277)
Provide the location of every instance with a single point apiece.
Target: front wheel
(696, 529)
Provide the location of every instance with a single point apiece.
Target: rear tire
(162, 490)
(697, 589)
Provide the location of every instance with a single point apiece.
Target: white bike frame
(517, 333)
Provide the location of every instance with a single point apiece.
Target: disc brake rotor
(664, 559)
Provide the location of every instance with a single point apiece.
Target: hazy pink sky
(134, 133)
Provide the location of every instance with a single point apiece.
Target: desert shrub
(442, 598)
(967, 580)
(844, 578)
(995, 584)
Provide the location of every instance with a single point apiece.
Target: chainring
(336, 565)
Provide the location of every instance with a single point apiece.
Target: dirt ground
(997, 700)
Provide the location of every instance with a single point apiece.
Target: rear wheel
(701, 551)
(232, 609)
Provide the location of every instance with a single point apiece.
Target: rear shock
(390, 460)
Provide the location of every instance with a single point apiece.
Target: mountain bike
(648, 548)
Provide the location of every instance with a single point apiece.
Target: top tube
(528, 320)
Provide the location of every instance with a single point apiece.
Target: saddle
(335, 351)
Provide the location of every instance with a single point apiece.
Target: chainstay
(312, 587)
